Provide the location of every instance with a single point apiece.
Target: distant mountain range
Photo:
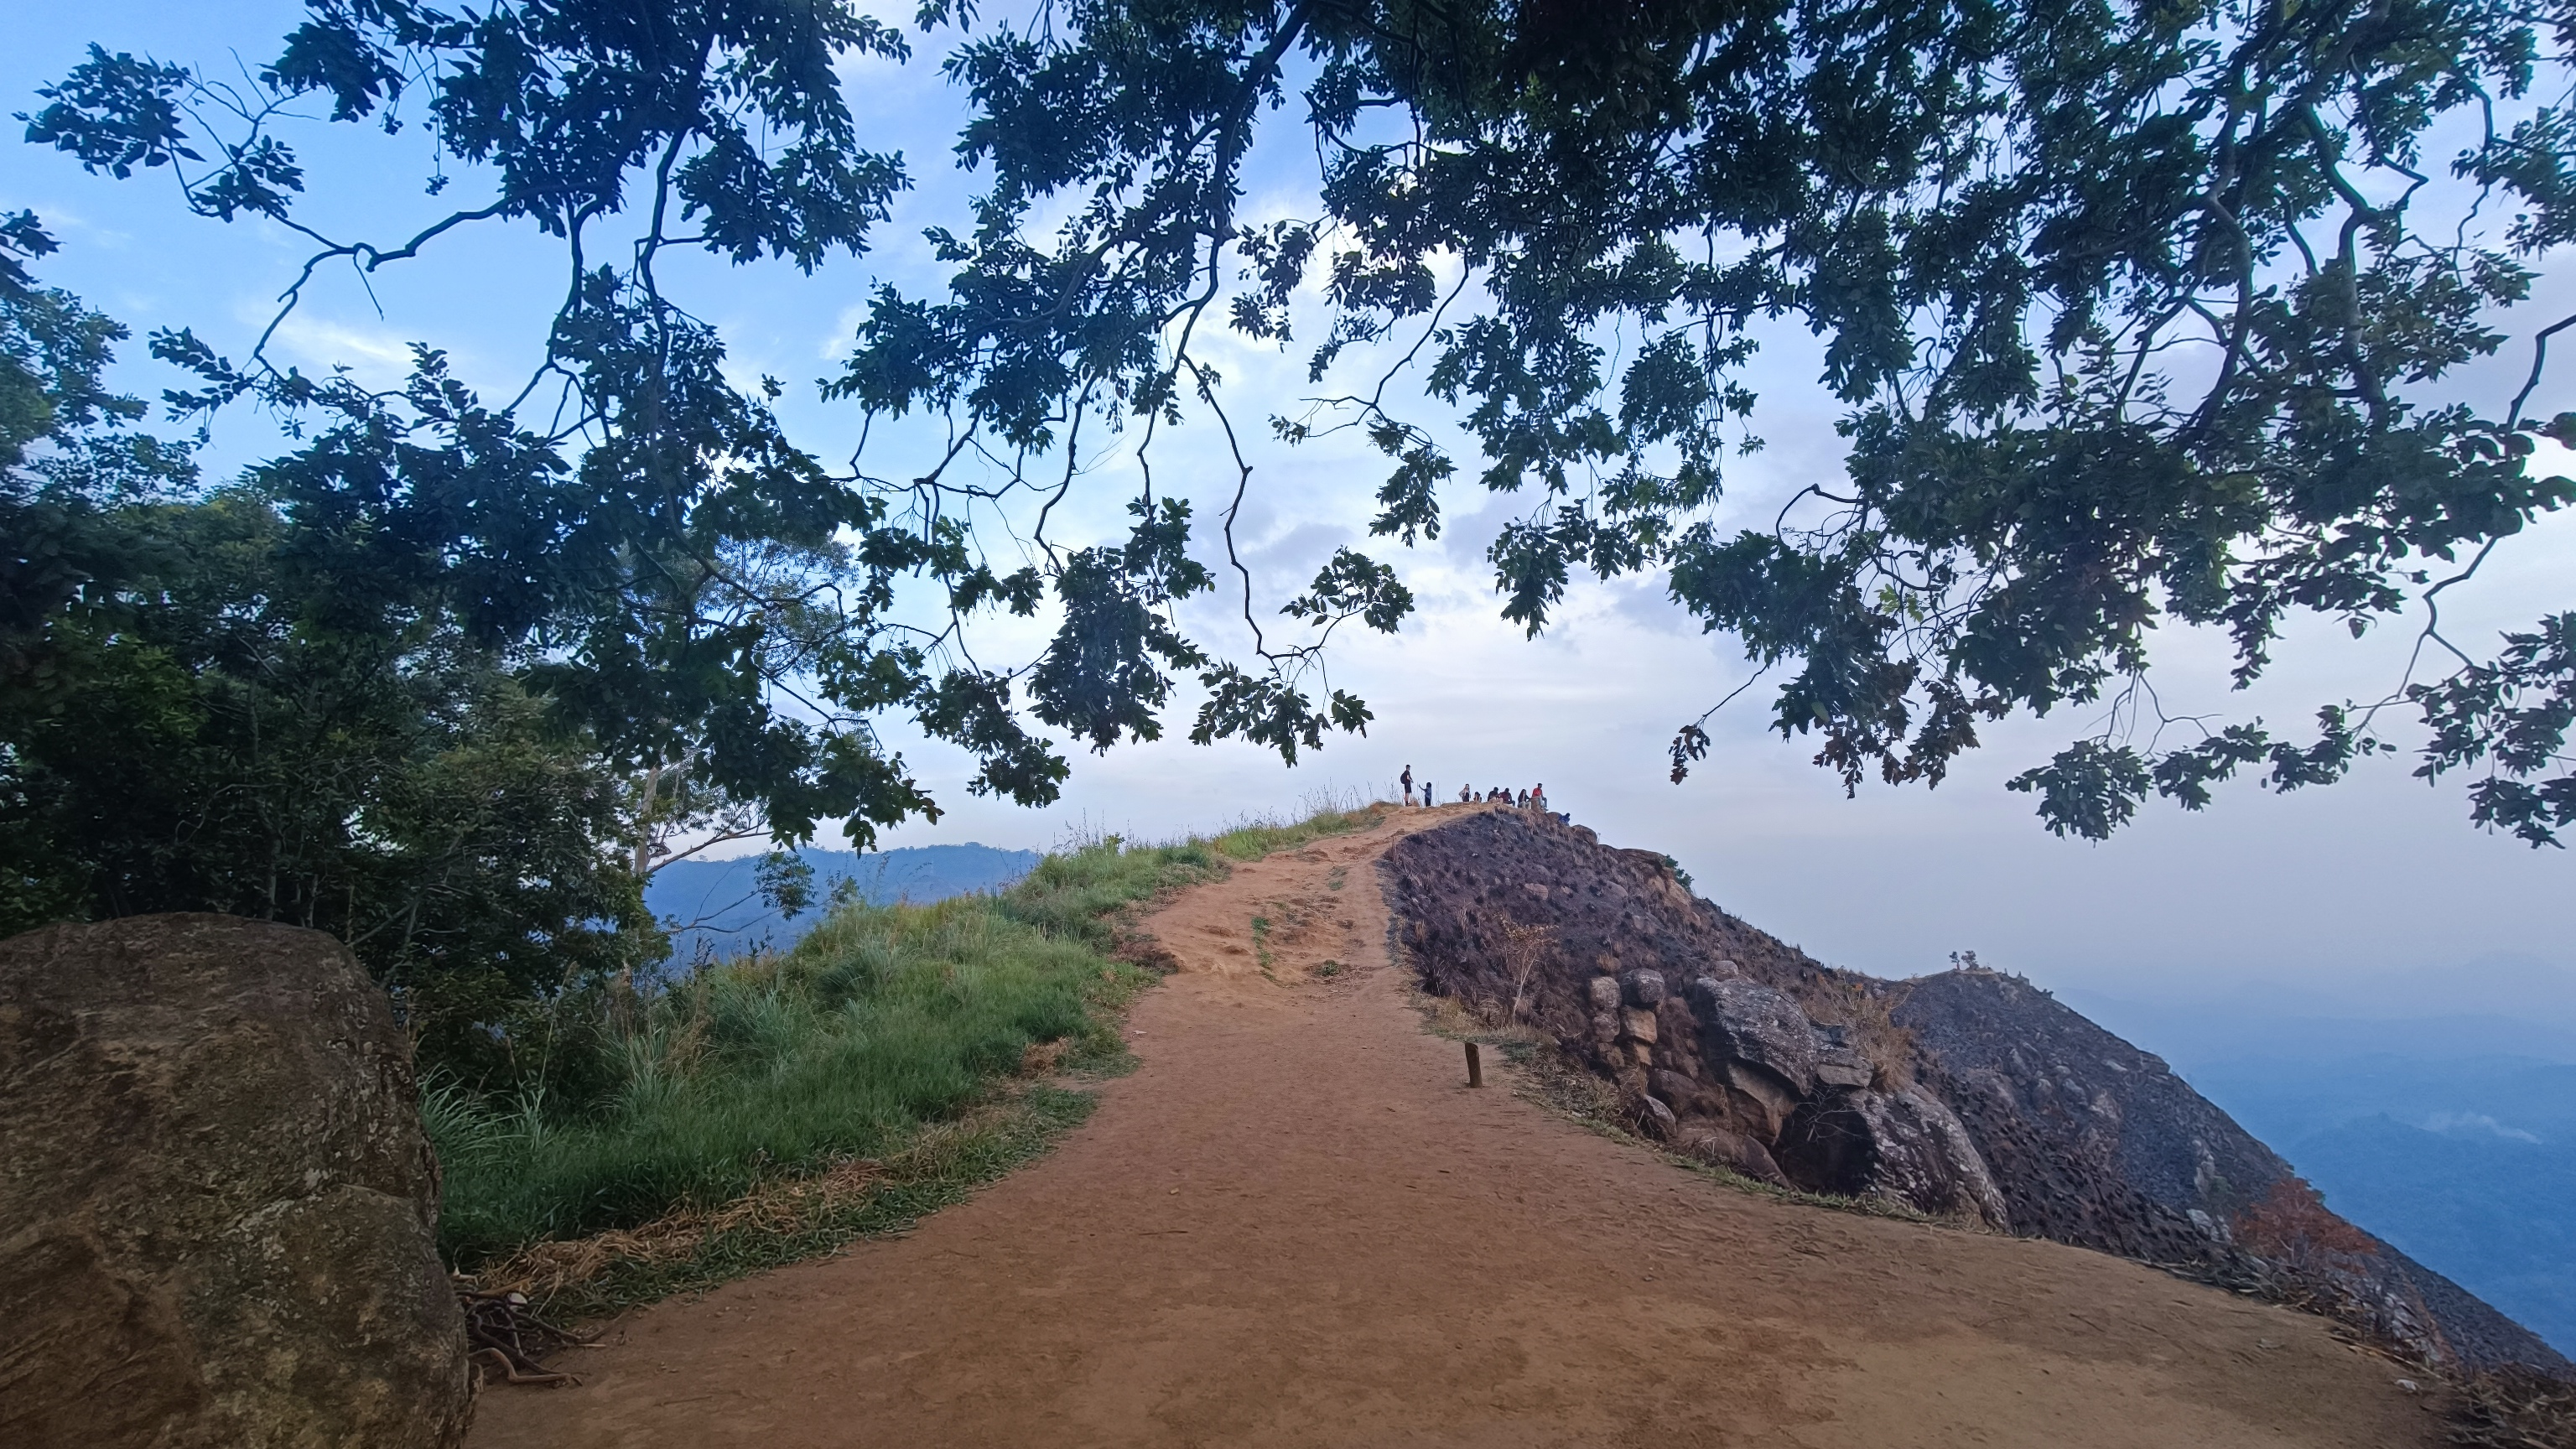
(2453, 1136)
(718, 903)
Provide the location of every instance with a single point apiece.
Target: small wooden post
(1475, 1067)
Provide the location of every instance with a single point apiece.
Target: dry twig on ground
(2515, 1409)
(546, 1269)
(505, 1338)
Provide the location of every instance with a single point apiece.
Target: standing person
(1428, 800)
(1407, 780)
(1538, 798)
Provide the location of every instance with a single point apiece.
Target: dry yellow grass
(544, 1270)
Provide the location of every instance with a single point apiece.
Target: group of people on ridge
(1533, 798)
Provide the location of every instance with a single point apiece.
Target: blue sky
(2356, 896)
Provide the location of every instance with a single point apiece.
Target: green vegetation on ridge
(884, 1021)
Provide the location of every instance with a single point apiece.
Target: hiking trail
(1294, 1224)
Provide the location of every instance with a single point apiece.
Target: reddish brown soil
(1294, 1224)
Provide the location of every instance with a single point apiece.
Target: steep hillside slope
(1969, 1095)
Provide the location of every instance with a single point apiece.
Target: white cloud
(2471, 1124)
(374, 354)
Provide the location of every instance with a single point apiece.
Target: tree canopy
(2136, 314)
(212, 703)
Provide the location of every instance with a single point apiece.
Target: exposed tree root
(508, 1341)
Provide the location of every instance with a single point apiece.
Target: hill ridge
(1295, 1225)
(1968, 1094)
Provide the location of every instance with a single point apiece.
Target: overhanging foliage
(2139, 313)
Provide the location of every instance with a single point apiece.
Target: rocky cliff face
(1969, 1095)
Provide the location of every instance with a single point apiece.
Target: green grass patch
(896, 1047)
(881, 1021)
(943, 1165)
(1252, 840)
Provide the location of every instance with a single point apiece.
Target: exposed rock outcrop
(1967, 1095)
(1904, 1144)
(217, 1205)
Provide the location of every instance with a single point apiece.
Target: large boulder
(1742, 1022)
(217, 1205)
(1903, 1146)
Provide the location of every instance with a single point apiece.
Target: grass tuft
(789, 1219)
(1252, 839)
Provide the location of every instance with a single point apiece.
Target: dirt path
(1295, 1225)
